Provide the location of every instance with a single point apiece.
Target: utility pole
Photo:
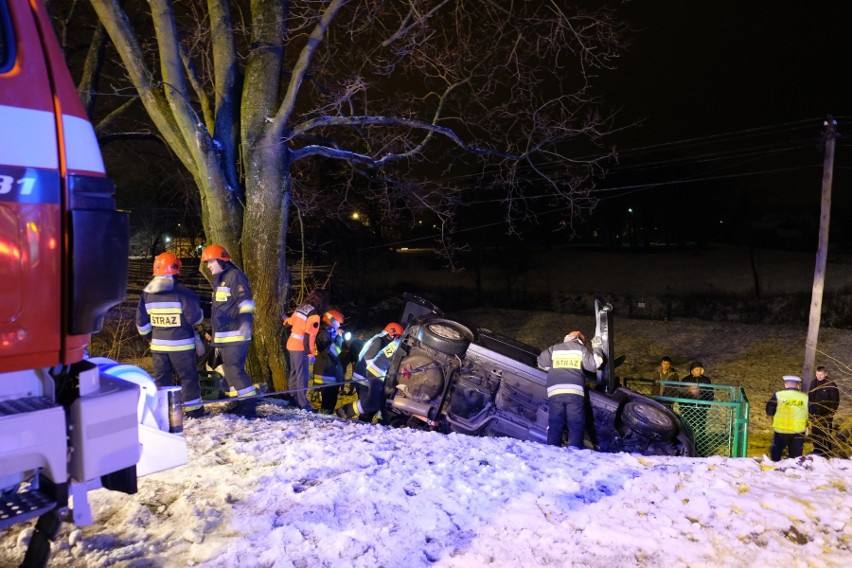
(822, 254)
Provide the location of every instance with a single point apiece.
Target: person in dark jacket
(665, 372)
(566, 382)
(232, 316)
(789, 411)
(169, 312)
(696, 413)
(328, 368)
(823, 400)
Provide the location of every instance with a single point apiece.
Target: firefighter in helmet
(304, 325)
(566, 393)
(369, 373)
(169, 312)
(232, 316)
(328, 369)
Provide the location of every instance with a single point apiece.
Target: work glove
(199, 347)
(597, 343)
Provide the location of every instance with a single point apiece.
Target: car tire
(649, 421)
(445, 336)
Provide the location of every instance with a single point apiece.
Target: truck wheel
(445, 336)
(649, 421)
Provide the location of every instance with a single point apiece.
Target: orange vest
(304, 322)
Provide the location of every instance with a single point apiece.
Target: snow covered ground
(293, 489)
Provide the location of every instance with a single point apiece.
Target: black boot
(245, 407)
(346, 411)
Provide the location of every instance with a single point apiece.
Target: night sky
(732, 97)
(700, 68)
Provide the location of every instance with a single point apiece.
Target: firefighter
(232, 316)
(369, 372)
(304, 324)
(566, 395)
(328, 370)
(168, 311)
(789, 411)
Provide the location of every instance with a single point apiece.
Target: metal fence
(717, 414)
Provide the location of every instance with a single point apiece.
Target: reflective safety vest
(791, 415)
(304, 323)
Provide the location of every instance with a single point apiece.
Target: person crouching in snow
(369, 372)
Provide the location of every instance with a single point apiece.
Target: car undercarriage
(450, 376)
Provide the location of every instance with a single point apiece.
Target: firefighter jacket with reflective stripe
(368, 352)
(327, 367)
(377, 367)
(789, 409)
(305, 324)
(168, 311)
(564, 363)
(232, 307)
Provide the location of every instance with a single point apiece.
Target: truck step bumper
(23, 506)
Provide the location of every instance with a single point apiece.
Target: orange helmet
(167, 264)
(577, 334)
(332, 315)
(214, 252)
(393, 329)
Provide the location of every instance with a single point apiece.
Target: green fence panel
(720, 425)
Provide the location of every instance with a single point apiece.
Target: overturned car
(454, 377)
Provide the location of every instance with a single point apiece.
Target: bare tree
(260, 99)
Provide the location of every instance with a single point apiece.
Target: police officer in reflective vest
(232, 316)
(565, 363)
(169, 311)
(789, 411)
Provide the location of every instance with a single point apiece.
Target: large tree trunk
(264, 183)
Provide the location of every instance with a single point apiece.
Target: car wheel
(445, 336)
(649, 420)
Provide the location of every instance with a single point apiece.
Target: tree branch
(361, 121)
(123, 37)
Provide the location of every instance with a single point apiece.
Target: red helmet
(166, 264)
(577, 334)
(332, 315)
(214, 252)
(393, 329)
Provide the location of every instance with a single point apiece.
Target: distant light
(404, 248)
(168, 240)
(356, 215)
(630, 210)
(347, 336)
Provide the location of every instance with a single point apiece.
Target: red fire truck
(68, 425)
